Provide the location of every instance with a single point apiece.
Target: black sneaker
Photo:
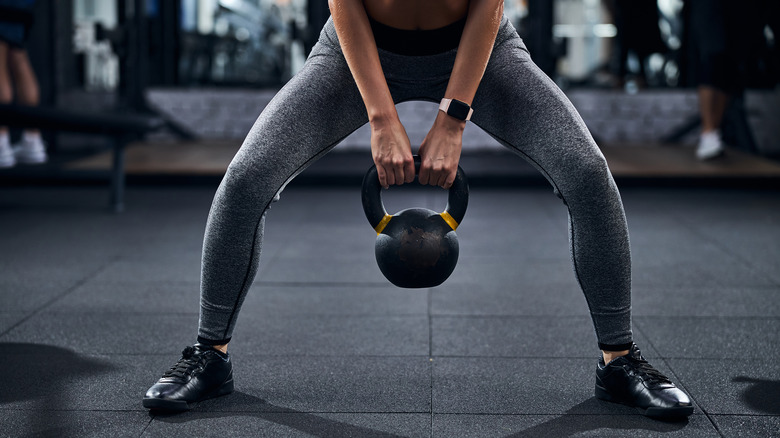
(200, 374)
(632, 381)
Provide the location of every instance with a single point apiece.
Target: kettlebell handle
(457, 199)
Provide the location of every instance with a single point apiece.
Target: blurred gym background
(207, 68)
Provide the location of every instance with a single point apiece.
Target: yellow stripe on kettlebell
(383, 223)
(449, 219)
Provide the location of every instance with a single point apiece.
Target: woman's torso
(416, 14)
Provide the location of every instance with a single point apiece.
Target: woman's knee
(245, 186)
(587, 179)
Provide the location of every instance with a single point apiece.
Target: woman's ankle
(610, 355)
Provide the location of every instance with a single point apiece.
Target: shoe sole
(7, 162)
(159, 404)
(710, 155)
(661, 413)
(32, 160)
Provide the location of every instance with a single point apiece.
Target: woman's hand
(392, 151)
(389, 142)
(440, 151)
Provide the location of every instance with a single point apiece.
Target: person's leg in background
(7, 158)
(31, 149)
(712, 107)
(713, 67)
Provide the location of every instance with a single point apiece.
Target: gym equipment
(416, 247)
(120, 129)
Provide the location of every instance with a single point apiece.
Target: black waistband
(417, 42)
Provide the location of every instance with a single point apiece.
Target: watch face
(458, 109)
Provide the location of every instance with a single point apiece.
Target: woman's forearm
(440, 150)
(359, 48)
(476, 45)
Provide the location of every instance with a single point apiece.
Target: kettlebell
(416, 247)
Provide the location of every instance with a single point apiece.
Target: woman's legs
(523, 109)
(315, 110)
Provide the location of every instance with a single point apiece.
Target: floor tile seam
(709, 418)
(741, 358)
(659, 355)
(286, 412)
(565, 414)
(738, 289)
(276, 315)
(332, 412)
(312, 284)
(378, 284)
(242, 355)
(431, 381)
(744, 415)
(637, 326)
(692, 228)
(690, 317)
(263, 263)
(699, 317)
(555, 211)
(435, 356)
(701, 278)
(73, 410)
(352, 356)
(148, 423)
(455, 356)
(486, 258)
(123, 282)
(491, 257)
(547, 414)
(409, 315)
(112, 313)
(283, 315)
(696, 402)
(60, 296)
(510, 316)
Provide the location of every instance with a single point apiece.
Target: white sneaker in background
(710, 146)
(7, 158)
(31, 150)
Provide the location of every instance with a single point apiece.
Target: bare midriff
(416, 14)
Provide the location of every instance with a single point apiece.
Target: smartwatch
(455, 108)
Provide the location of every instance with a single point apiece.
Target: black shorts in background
(16, 18)
(726, 38)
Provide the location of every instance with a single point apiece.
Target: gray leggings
(516, 104)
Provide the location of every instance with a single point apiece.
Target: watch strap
(457, 109)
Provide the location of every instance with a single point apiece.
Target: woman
(370, 56)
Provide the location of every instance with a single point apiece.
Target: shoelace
(650, 374)
(190, 360)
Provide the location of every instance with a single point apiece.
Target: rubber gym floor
(94, 306)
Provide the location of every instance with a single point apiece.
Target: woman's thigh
(521, 107)
(314, 111)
